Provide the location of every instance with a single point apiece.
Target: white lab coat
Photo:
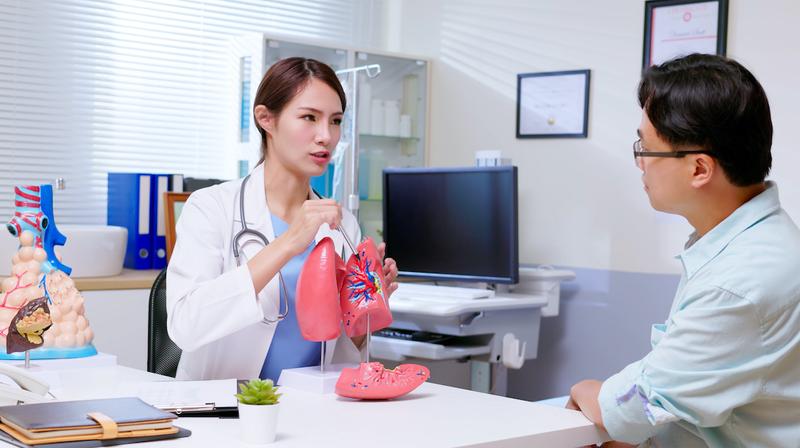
(214, 315)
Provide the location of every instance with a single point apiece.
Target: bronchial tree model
(41, 311)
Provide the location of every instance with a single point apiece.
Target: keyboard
(416, 336)
(438, 294)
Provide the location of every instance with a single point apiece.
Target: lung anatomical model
(317, 297)
(372, 381)
(331, 294)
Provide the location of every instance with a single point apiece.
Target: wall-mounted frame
(553, 104)
(674, 28)
(173, 206)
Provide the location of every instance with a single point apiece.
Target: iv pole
(351, 198)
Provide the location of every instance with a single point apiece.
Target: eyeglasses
(638, 151)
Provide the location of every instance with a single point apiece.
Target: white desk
(433, 415)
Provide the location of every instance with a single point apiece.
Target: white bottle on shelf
(364, 105)
(391, 116)
(376, 164)
(405, 125)
(377, 117)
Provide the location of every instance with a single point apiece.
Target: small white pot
(259, 422)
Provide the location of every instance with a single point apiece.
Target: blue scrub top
(288, 349)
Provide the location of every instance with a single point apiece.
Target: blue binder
(176, 183)
(129, 205)
(157, 224)
(162, 183)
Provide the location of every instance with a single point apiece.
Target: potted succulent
(258, 411)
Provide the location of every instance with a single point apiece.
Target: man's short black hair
(714, 103)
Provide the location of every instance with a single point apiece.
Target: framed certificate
(173, 206)
(674, 28)
(553, 104)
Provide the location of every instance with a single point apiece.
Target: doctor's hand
(307, 221)
(389, 270)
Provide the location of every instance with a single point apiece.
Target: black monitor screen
(452, 224)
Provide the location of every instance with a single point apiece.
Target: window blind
(88, 87)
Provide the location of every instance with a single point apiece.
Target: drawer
(399, 350)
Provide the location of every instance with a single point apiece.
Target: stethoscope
(247, 231)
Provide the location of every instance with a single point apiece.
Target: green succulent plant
(258, 392)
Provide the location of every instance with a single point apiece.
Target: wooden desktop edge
(128, 279)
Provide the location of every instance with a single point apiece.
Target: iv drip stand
(351, 191)
(351, 199)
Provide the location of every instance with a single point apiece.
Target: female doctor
(229, 315)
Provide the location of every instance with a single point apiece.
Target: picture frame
(674, 28)
(173, 206)
(553, 104)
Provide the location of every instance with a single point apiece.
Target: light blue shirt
(288, 349)
(724, 370)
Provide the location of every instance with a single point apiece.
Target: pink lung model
(371, 381)
(330, 293)
(362, 293)
(317, 297)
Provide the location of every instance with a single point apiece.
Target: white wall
(581, 200)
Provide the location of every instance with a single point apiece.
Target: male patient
(724, 369)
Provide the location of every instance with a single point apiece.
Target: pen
(188, 408)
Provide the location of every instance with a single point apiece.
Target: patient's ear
(704, 168)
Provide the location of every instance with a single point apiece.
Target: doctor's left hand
(389, 270)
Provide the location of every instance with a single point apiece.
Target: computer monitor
(452, 223)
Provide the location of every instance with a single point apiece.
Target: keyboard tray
(432, 346)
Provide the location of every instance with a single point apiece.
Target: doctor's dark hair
(716, 104)
(285, 79)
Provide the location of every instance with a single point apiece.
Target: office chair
(162, 354)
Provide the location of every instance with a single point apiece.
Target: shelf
(128, 279)
(391, 137)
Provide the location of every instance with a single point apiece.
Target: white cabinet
(119, 321)
(392, 115)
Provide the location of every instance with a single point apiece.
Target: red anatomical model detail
(363, 292)
(317, 296)
(371, 381)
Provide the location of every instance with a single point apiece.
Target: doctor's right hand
(307, 221)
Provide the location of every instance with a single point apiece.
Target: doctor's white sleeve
(706, 362)
(204, 303)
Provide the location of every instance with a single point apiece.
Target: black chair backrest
(162, 354)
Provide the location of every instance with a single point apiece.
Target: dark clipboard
(203, 410)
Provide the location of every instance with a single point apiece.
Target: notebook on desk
(94, 443)
(95, 421)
